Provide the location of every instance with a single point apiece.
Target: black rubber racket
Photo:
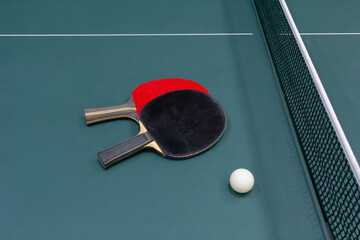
(179, 124)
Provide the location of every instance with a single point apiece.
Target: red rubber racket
(140, 96)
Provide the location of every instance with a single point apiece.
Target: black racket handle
(124, 149)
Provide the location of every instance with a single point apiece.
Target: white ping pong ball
(242, 180)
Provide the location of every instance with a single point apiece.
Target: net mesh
(333, 179)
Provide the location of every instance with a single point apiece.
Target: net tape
(335, 184)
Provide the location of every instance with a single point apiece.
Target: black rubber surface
(184, 122)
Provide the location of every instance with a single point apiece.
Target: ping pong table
(59, 57)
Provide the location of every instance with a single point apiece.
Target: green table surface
(53, 187)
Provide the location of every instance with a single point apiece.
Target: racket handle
(95, 115)
(124, 149)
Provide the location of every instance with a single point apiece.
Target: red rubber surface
(146, 92)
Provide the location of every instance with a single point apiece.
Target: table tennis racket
(140, 96)
(178, 124)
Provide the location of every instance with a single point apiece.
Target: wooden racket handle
(124, 149)
(96, 115)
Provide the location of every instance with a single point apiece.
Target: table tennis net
(335, 184)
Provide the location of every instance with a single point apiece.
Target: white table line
(125, 34)
(329, 34)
